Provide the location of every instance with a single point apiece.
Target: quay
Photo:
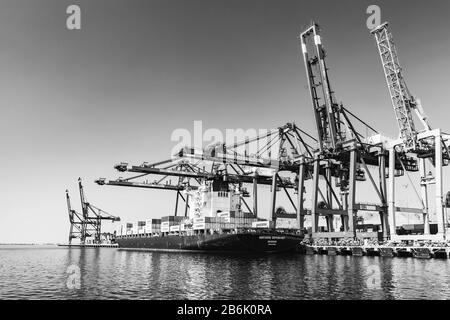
(90, 245)
(382, 251)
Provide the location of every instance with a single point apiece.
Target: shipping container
(223, 215)
(141, 223)
(172, 218)
(199, 220)
(153, 228)
(199, 226)
(286, 223)
(261, 224)
(152, 221)
(174, 228)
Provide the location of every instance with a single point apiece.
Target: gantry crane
(343, 153)
(88, 223)
(422, 144)
(76, 221)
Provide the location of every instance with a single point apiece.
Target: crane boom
(69, 207)
(326, 110)
(402, 100)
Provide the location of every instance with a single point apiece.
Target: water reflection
(41, 272)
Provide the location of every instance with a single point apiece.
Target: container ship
(214, 222)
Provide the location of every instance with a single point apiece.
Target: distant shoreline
(27, 244)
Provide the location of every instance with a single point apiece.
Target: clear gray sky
(74, 103)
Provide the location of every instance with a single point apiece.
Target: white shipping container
(286, 223)
(174, 228)
(165, 224)
(261, 224)
(199, 226)
(223, 215)
(199, 220)
(165, 229)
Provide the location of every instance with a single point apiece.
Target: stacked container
(140, 227)
(222, 221)
(263, 224)
(287, 223)
(225, 216)
(153, 226)
(169, 221)
(129, 229)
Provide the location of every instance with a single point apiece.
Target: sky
(75, 102)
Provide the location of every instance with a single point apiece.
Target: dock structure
(90, 245)
(419, 252)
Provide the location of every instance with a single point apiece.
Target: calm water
(46, 272)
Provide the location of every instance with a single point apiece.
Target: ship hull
(240, 242)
